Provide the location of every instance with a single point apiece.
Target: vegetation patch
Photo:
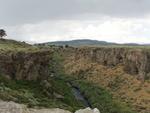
(102, 99)
(32, 94)
(99, 97)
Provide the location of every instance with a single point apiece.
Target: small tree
(2, 33)
(66, 46)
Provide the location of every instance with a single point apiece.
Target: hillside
(13, 45)
(46, 77)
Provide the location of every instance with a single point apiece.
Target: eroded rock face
(135, 61)
(25, 65)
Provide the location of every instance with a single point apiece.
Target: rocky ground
(11, 107)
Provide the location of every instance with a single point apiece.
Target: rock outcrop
(11, 107)
(25, 65)
(135, 61)
(88, 110)
(56, 110)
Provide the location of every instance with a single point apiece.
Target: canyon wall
(135, 61)
(125, 72)
(25, 65)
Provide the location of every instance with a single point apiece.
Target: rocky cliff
(25, 65)
(123, 71)
(135, 61)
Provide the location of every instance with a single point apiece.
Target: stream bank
(78, 94)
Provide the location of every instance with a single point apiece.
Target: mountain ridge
(89, 42)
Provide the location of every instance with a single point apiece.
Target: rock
(57, 110)
(46, 85)
(135, 61)
(47, 88)
(58, 96)
(25, 65)
(88, 110)
(11, 107)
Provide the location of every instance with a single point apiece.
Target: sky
(37, 21)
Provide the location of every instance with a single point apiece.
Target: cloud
(121, 30)
(51, 20)
(14, 12)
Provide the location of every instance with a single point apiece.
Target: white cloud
(121, 30)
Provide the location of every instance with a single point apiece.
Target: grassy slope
(102, 99)
(32, 94)
(15, 46)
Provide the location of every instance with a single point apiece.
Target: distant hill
(84, 42)
(87, 42)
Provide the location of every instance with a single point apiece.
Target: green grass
(102, 99)
(15, 46)
(32, 94)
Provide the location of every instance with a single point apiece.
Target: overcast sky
(121, 21)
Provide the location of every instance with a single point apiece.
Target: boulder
(56, 110)
(12, 107)
(88, 110)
